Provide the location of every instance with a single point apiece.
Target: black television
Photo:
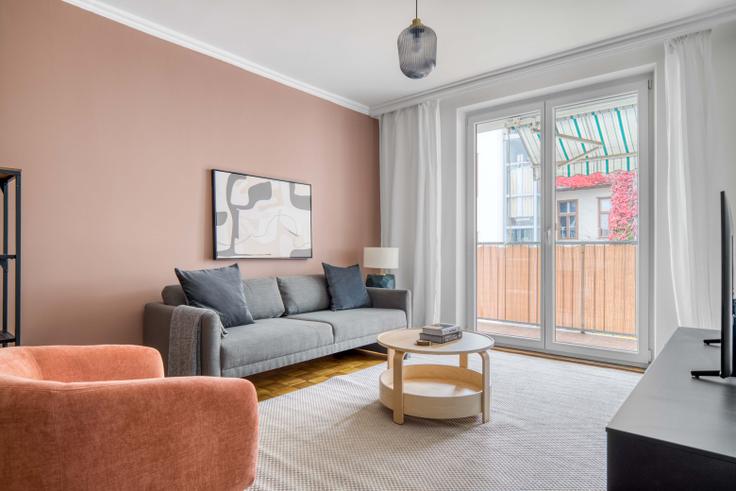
(727, 339)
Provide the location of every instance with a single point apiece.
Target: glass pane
(595, 258)
(508, 249)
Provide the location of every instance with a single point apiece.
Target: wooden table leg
(389, 357)
(463, 360)
(398, 369)
(486, 404)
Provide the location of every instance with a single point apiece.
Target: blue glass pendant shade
(417, 50)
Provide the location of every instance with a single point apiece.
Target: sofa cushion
(270, 338)
(263, 298)
(356, 323)
(346, 287)
(304, 293)
(218, 289)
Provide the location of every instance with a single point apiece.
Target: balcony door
(561, 223)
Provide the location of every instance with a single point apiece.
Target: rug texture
(547, 432)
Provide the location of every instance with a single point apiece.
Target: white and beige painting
(259, 217)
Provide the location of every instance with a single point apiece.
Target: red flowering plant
(623, 219)
(581, 181)
(623, 222)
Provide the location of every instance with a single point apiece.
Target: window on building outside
(567, 219)
(604, 209)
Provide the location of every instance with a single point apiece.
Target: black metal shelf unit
(7, 178)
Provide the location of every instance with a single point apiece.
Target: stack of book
(441, 333)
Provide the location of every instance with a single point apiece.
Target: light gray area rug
(547, 432)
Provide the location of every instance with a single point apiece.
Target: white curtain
(692, 198)
(411, 202)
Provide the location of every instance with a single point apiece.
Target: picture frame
(257, 217)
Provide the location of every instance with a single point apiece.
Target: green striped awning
(601, 136)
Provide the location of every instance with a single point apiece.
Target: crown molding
(635, 39)
(175, 37)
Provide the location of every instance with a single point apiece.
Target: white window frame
(546, 104)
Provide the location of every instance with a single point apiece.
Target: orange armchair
(103, 417)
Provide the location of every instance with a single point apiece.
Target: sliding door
(561, 228)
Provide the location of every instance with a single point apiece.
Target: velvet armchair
(104, 417)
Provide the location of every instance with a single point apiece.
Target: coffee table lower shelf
(436, 391)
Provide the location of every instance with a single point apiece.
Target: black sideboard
(675, 432)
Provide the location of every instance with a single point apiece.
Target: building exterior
(596, 175)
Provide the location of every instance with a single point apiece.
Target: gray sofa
(293, 323)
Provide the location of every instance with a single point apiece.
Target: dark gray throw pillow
(219, 289)
(346, 287)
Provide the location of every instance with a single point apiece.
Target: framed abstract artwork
(258, 217)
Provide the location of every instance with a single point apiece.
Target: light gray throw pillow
(304, 293)
(263, 298)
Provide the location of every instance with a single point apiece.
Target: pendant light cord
(416, 9)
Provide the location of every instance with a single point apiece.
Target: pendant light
(417, 48)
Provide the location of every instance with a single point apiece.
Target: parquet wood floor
(288, 379)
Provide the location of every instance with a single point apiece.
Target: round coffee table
(435, 391)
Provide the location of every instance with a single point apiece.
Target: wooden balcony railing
(595, 281)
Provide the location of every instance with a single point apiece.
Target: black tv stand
(675, 432)
(712, 341)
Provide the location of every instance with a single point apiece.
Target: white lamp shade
(381, 257)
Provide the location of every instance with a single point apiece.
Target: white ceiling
(347, 48)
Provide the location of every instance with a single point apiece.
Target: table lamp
(382, 258)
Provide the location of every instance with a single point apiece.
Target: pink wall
(116, 132)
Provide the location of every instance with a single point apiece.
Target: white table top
(405, 340)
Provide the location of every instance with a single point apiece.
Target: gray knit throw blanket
(184, 341)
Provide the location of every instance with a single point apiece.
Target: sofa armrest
(170, 433)
(156, 326)
(99, 362)
(387, 298)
